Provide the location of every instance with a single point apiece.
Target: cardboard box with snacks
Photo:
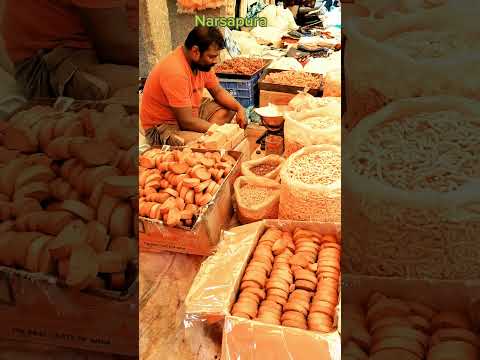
(273, 286)
(68, 248)
(396, 318)
(185, 198)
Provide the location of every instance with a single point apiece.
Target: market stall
(216, 278)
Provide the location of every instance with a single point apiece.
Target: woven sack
(272, 159)
(371, 84)
(309, 202)
(268, 209)
(413, 234)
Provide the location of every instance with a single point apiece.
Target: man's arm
(187, 122)
(113, 40)
(224, 98)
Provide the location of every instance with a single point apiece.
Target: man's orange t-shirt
(29, 26)
(173, 84)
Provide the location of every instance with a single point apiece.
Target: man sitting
(173, 110)
(85, 49)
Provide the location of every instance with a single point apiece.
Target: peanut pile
(263, 169)
(321, 167)
(244, 66)
(294, 78)
(253, 195)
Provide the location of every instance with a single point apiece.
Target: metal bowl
(273, 121)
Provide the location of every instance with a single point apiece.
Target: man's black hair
(203, 37)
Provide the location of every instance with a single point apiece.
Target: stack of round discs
(322, 309)
(280, 281)
(355, 337)
(282, 273)
(296, 309)
(408, 330)
(397, 337)
(319, 254)
(252, 287)
(452, 335)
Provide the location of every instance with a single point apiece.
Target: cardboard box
(275, 97)
(215, 289)
(290, 89)
(440, 295)
(448, 295)
(219, 139)
(252, 340)
(280, 94)
(36, 308)
(202, 238)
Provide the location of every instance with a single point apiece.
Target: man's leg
(188, 136)
(67, 77)
(117, 77)
(214, 113)
(34, 78)
(222, 116)
(77, 73)
(169, 135)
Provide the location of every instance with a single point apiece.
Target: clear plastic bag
(332, 84)
(306, 126)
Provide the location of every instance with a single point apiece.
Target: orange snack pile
(175, 185)
(391, 328)
(292, 280)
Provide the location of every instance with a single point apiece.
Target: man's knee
(188, 136)
(222, 116)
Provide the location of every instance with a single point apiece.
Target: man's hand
(224, 98)
(241, 118)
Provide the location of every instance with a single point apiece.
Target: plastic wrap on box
(216, 285)
(249, 340)
(214, 289)
(300, 129)
(244, 148)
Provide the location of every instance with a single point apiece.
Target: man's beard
(204, 68)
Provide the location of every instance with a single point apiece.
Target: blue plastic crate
(246, 102)
(245, 91)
